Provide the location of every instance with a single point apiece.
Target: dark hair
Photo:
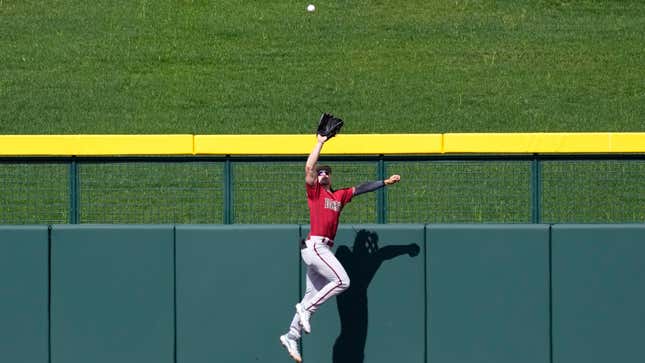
(326, 168)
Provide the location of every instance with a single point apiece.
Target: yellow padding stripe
(96, 144)
(386, 144)
(593, 142)
(628, 142)
(347, 144)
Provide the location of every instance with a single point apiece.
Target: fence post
(381, 211)
(228, 191)
(536, 180)
(73, 192)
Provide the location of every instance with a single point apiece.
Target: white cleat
(304, 318)
(292, 347)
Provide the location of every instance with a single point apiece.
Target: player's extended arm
(310, 167)
(372, 186)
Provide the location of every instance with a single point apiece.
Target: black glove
(329, 125)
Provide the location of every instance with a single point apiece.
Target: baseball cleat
(303, 315)
(292, 347)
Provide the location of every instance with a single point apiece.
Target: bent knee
(343, 283)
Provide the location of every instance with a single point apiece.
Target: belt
(324, 240)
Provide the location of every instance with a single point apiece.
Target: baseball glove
(329, 125)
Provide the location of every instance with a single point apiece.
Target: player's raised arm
(310, 167)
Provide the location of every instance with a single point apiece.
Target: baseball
(311, 7)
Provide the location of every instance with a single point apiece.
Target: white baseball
(311, 7)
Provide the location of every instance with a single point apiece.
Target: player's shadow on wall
(361, 265)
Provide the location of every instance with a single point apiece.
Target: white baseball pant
(326, 277)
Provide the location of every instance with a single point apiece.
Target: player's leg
(331, 273)
(314, 282)
(290, 339)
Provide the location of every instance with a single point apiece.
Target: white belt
(329, 242)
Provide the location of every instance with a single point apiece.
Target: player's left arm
(374, 185)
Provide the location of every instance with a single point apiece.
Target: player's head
(324, 174)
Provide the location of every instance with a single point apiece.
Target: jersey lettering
(333, 204)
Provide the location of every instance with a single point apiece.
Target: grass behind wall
(226, 67)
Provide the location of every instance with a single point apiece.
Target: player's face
(324, 178)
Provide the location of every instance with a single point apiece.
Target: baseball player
(326, 277)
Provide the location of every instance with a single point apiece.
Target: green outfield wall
(24, 294)
(419, 293)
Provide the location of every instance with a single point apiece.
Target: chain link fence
(461, 191)
(34, 192)
(198, 190)
(150, 192)
(593, 191)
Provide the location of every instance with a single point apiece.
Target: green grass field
(254, 67)
(213, 67)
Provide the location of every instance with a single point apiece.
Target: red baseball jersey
(325, 208)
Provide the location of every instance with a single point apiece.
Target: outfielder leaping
(326, 277)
